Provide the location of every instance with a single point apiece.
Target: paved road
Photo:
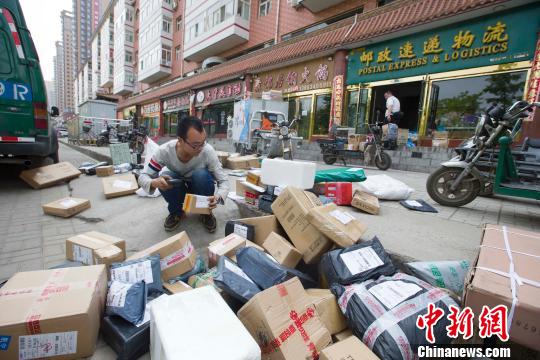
(31, 240)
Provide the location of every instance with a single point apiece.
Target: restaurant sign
(221, 92)
(150, 109)
(491, 40)
(176, 103)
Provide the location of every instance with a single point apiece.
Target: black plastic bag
(383, 314)
(265, 271)
(239, 228)
(418, 205)
(357, 263)
(127, 300)
(234, 281)
(147, 269)
(127, 340)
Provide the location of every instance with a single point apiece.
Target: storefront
(174, 109)
(215, 105)
(150, 118)
(444, 78)
(308, 89)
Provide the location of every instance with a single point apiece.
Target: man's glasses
(195, 146)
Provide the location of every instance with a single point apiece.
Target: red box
(252, 198)
(339, 192)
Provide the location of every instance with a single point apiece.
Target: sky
(43, 19)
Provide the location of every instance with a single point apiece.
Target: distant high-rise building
(69, 66)
(98, 9)
(59, 89)
(83, 21)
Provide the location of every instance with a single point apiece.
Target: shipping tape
(514, 251)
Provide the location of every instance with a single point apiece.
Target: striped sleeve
(155, 165)
(151, 170)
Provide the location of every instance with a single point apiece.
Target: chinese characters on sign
(337, 101)
(176, 103)
(220, 92)
(149, 109)
(492, 321)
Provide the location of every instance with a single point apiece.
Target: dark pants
(201, 183)
(396, 117)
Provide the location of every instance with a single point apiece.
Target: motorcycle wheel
(438, 187)
(138, 147)
(384, 161)
(329, 158)
(100, 142)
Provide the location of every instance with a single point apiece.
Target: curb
(93, 154)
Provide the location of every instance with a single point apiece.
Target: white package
(384, 187)
(198, 324)
(283, 173)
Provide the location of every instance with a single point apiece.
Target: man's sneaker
(172, 222)
(209, 222)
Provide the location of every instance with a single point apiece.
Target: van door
(16, 109)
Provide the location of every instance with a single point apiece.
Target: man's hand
(213, 202)
(161, 183)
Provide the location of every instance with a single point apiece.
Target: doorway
(409, 95)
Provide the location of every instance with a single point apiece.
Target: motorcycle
(473, 171)
(136, 139)
(108, 136)
(281, 138)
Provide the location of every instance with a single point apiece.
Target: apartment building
(122, 53)
(58, 61)
(69, 59)
(106, 32)
(96, 62)
(83, 20)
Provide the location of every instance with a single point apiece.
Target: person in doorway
(191, 159)
(393, 108)
(267, 124)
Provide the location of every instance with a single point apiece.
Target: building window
(128, 57)
(177, 52)
(142, 64)
(129, 36)
(129, 14)
(166, 55)
(264, 7)
(167, 24)
(193, 32)
(128, 77)
(179, 23)
(243, 9)
(384, 2)
(110, 69)
(218, 16)
(168, 1)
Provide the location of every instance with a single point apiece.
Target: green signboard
(490, 40)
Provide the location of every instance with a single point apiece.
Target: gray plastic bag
(147, 269)
(127, 300)
(234, 281)
(444, 274)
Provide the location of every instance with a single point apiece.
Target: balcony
(228, 34)
(154, 73)
(316, 5)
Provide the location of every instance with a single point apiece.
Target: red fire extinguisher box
(339, 192)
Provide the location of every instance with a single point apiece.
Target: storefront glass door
(304, 114)
(322, 114)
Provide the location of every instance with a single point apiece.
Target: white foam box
(209, 329)
(283, 173)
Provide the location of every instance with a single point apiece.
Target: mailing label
(116, 296)
(4, 342)
(342, 216)
(201, 202)
(235, 269)
(391, 293)
(277, 190)
(176, 257)
(122, 184)
(413, 203)
(47, 345)
(82, 254)
(68, 203)
(361, 260)
(241, 230)
(134, 273)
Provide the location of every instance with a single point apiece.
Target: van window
(5, 51)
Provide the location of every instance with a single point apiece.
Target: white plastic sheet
(384, 187)
(198, 324)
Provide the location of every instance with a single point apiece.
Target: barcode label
(47, 345)
(241, 230)
(82, 254)
(116, 296)
(361, 260)
(134, 273)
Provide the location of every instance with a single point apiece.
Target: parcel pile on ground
(301, 283)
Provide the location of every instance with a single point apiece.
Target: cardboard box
(340, 226)
(243, 162)
(349, 349)
(254, 177)
(269, 318)
(222, 157)
(49, 175)
(403, 136)
(66, 207)
(365, 202)
(196, 204)
(340, 336)
(291, 209)
(224, 247)
(282, 250)
(177, 255)
(177, 287)
(339, 192)
(103, 171)
(328, 310)
(119, 185)
(204, 279)
(264, 225)
(95, 248)
(484, 287)
(55, 313)
(247, 244)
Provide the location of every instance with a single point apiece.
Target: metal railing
(86, 129)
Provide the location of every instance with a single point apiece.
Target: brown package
(53, 313)
(365, 202)
(177, 255)
(270, 318)
(49, 175)
(103, 171)
(177, 287)
(84, 248)
(350, 349)
(489, 284)
(328, 310)
(243, 162)
(338, 225)
(263, 225)
(291, 209)
(119, 185)
(66, 207)
(196, 204)
(282, 250)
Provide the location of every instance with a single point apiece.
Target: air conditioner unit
(295, 3)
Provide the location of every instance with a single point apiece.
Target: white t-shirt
(393, 103)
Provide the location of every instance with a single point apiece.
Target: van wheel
(55, 158)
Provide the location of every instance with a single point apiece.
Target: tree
(504, 88)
